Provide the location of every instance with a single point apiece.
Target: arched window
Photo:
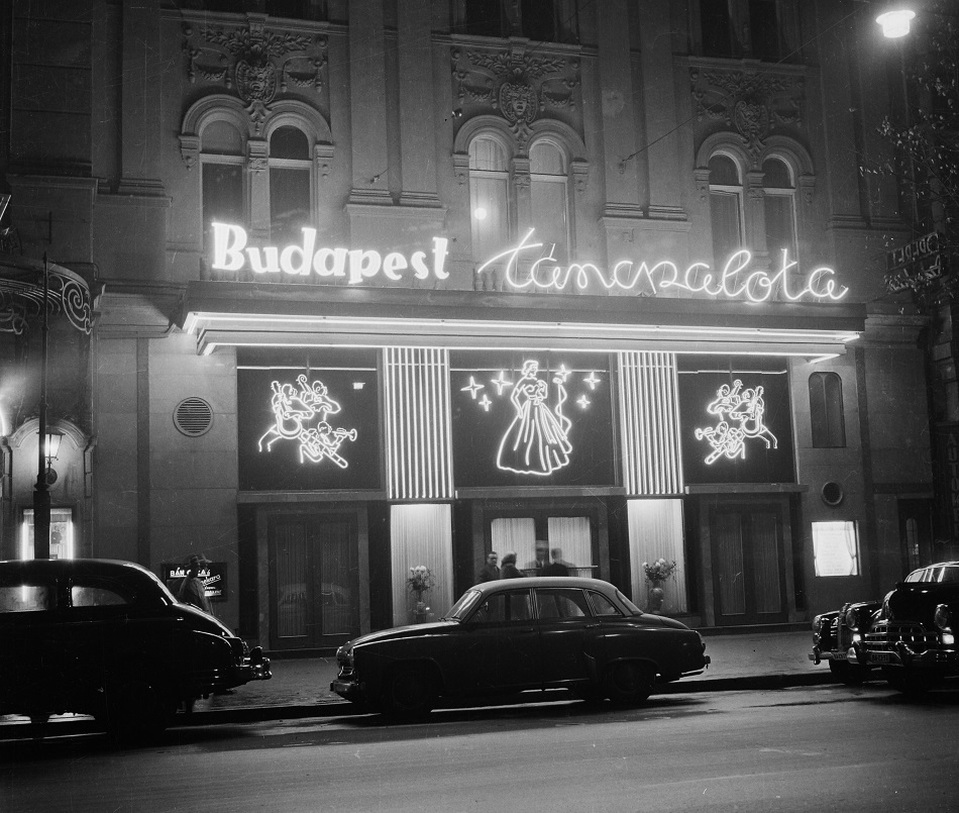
(725, 207)
(290, 185)
(826, 412)
(550, 198)
(779, 206)
(222, 176)
(489, 197)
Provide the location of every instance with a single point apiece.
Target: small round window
(193, 417)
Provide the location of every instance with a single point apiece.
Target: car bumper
(348, 689)
(818, 655)
(900, 654)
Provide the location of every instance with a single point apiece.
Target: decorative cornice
(256, 62)
(752, 102)
(513, 81)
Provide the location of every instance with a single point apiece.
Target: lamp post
(41, 492)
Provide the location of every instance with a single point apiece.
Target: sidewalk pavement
(300, 687)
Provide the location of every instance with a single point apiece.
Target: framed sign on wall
(534, 418)
(308, 421)
(735, 420)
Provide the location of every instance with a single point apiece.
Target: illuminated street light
(895, 23)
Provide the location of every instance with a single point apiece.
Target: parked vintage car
(833, 635)
(506, 636)
(913, 636)
(107, 638)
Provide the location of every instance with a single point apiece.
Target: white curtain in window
(656, 531)
(421, 534)
(514, 535)
(572, 536)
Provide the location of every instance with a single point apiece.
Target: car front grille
(884, 636)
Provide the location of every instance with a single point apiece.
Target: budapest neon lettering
(736, 279)
(301, 415)
(740, 417)
(540, 270)
(231, 253)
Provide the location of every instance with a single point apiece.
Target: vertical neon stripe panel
(417, 401)
(649, 416)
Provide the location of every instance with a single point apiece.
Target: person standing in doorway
(192, 590)
(557, 567)
(510, 571)
(490, 571)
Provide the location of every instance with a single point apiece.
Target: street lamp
(894, 20)
(41, 491)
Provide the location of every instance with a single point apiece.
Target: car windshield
(949, 575)
(462, 607)
(628, 604)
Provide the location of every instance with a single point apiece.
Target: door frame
(777, 503)
(266, 515)
(540, 510)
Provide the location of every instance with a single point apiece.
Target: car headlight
(851, 618)
(817, 624)
(886, 609)
(942, 618)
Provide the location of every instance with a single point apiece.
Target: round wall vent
(193, 417)
(832, 493)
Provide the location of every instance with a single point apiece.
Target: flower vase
(420, 610)
(655, 598)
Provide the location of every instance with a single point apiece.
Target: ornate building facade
(390, 285)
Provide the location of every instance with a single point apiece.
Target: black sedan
(503, 637)
(107, 638)
(834, 634)
(913, 636)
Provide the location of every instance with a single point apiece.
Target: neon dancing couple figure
(740, 414)
(301, 415)
(536, 442)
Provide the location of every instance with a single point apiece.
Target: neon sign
(537, 441)
(301, 416)
(740, 418)
(540, 271)
(231, 253)
(735, 280)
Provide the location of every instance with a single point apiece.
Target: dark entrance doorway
(749, 581)
(314, 585)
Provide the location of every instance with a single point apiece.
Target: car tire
(136, 712)
(847, 673)
(628, 683)
(410, 693)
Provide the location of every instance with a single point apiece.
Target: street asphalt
(300, 686)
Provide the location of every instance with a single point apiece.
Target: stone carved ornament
(516, 83)
(256, 62)
(751, 103)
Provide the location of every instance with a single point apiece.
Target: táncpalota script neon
(231, 253)
(735, 280)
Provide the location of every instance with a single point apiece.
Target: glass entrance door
(314, 580)
(748, 564)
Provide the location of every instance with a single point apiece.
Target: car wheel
(136, 712)
(410, 692)
(848, 673)
(629, 683)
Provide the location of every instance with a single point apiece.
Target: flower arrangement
(660, 570)
(420, 580)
